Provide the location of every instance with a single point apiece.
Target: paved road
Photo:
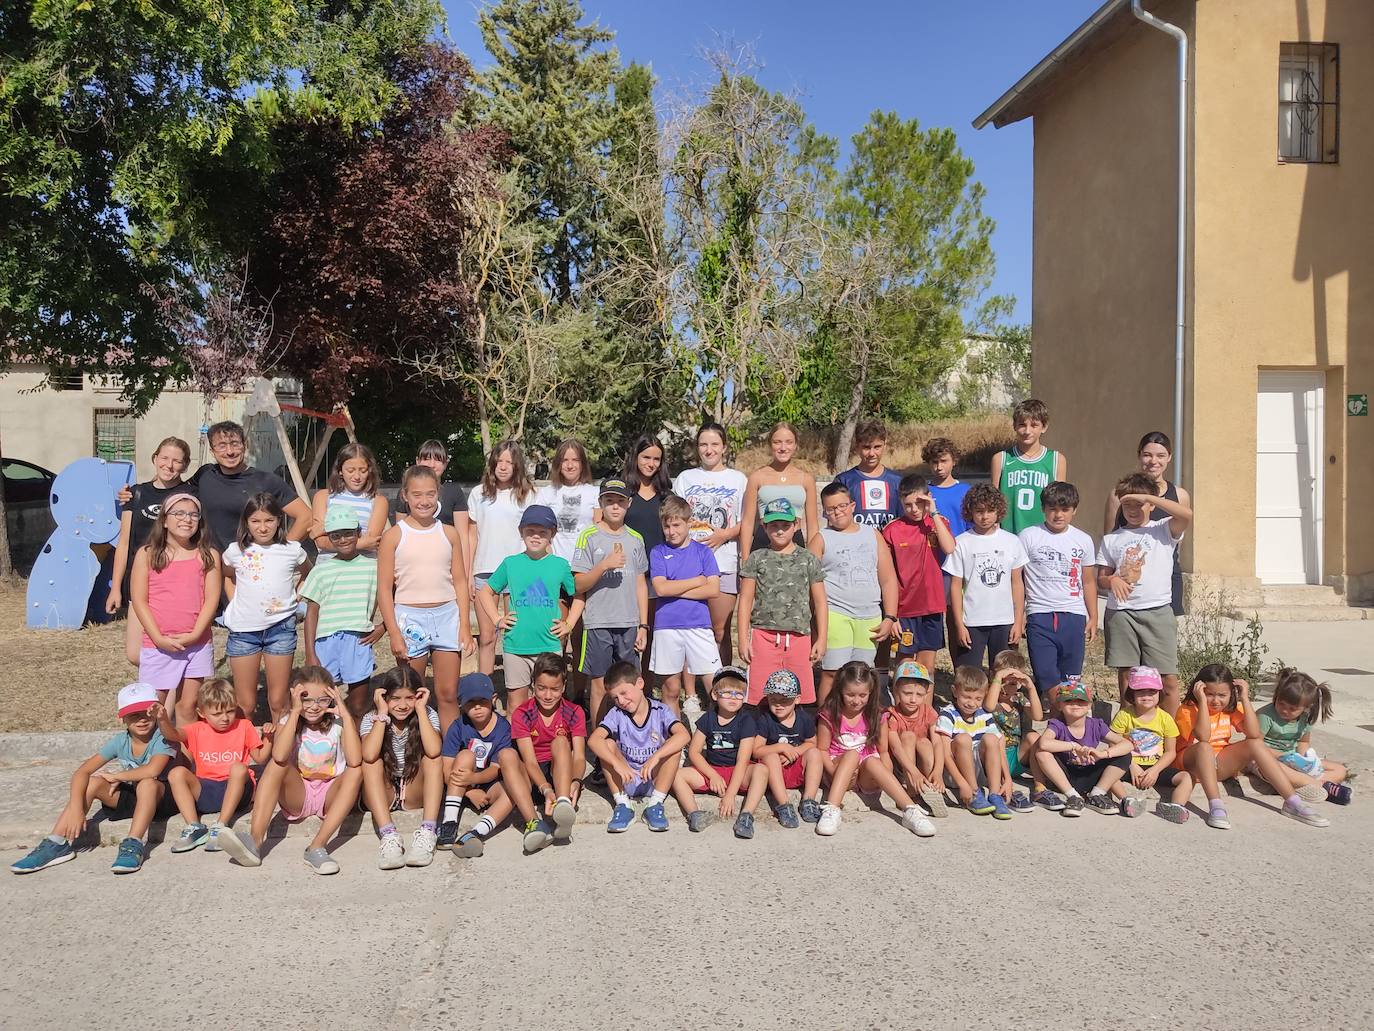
(1042, 922)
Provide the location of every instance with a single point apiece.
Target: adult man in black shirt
(225, 486)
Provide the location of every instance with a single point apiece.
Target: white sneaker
(917, 822)
(421, 852)
(1301, 812)
(829, 823)
(391, 855)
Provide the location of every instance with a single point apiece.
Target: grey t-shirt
(851, 572)
(612, 602)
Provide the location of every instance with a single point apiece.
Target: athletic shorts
(277, 639)
(126, 797)
(847, 639)
(603, 647)
(724, 772)
(771, 650)
(1166, 778)
(519, 670)
(921, 634)
(211, 798)
(165, 671)
(1142, 637)
(426, 630)
(792, 776)
(348, 660)
(315, 792)
(693, 649)
(1083, 779)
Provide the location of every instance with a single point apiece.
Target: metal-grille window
(1309, 99)
(114, 435)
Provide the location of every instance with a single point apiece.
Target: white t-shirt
(1143, 556)
(984, 562)
(573, 506)
(716, 499)
(498, 527)
(264, 584)
(1056, 566)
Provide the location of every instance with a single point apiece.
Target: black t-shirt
(452, 499)
(803, 727)
(222, 498)
(723, 740)
(145, 506)
(642, 518)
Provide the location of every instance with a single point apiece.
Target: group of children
(900, 561)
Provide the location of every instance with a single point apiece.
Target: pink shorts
(315, 792)
(777, 649)
(166, 670)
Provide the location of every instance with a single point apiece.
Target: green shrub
(1209, 633)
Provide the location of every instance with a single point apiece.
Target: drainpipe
(1181, 37)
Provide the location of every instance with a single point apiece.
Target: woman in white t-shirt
(491, 527)
(716, 494)
(575, 500)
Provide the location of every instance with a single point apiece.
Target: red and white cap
(136, 698)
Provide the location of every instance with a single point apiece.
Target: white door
(1288, 475)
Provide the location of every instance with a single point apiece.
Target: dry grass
(977, 437)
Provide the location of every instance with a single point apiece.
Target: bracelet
(643, 626)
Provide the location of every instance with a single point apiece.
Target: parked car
(28, 488)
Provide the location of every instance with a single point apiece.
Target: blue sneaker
(1021, 803)
(130, 858)
(656, 818)
(980, 806)
(621, 819)
(1000, 809)
(43, 855)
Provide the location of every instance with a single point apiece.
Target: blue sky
(939, 61)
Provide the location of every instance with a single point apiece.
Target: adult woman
(716, 494)
(1155, 452)
(170, 460)
(778, 479)
(648, 481)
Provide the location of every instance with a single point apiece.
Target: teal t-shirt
(120, 749)
(1280, 735)
(534, 588)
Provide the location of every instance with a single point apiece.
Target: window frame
(1327, 56)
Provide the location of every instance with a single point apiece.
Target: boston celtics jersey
(1022, 481)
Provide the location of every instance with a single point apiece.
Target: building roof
(1104, 26)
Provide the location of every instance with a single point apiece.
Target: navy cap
(475, 687)
(539, 515)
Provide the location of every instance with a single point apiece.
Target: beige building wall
(1104, 258)
(1284, 270)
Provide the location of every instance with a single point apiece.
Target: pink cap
(1144, 678)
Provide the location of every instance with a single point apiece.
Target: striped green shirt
(346, 592)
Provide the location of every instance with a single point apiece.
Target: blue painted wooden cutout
(84, 508)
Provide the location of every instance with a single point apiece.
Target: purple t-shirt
(639, 741)
(692, 559)
(1094, 733)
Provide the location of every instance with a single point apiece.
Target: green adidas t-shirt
(534, 587)
(1021, 483)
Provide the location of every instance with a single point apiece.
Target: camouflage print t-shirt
(782, 588)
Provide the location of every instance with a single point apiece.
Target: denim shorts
(277, 639)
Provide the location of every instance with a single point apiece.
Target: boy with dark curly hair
(985, 589)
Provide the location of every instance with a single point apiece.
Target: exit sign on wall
(1357, 404)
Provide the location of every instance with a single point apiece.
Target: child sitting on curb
(1080, 753)
(784, 748)
(719, 756)
(976, 754)
(1154, 747)
(917, 755)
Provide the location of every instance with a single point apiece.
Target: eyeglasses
(314, 703)
(730, 694)
(185, 513)
(226, 445)
(835, 509)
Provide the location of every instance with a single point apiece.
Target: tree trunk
(6, 565)
(851, 416)
(483, 422)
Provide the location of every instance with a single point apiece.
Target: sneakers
(1101, 802)
(829, 821)
(1051, 800)
(744, 825)
(130, 857)
(240, 847)
(43, 855)
(448, 834)
(421, 851)
(1021, 803)
(212, 841)
(620, 820)
(1172, 812)
(788, 817)
(1000, 809)
(391, 854)
(979, 804)
(563, 816)
(809, 810)
(1131, 806)
(193, 835)
(698, 821)
(917, 822)
(470, 846)
(1337, 794)
(935, 802)
(319, 860)
(1302, 812)
(655, 818)
(1216, 819)
(1073, 806)
(537, 836)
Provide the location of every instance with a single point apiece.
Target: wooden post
(285, 441)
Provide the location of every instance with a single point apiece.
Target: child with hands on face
(401, 767)
(917, 756)
(785, 747)
(1015, 706)
(1080, 753)
(719, 758)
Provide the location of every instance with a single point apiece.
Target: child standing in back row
(985, 589)
(1021, 472)
(874, 489)
(341, 624)
(352, 485)
(919, 540)
(685, 577)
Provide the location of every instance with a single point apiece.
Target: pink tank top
(851, 736)
(424, 566)
(175, 596)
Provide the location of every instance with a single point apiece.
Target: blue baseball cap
(475, 687)
(782, 682)
(779, 509)
(539, 515)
